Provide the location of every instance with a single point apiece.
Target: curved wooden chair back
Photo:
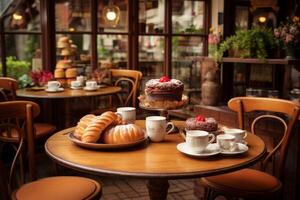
(18, 116)
(8, 88)
(290, 109)
(132, 79)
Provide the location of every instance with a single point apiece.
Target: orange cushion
(246, 181)
(58, 188)
(42, 129)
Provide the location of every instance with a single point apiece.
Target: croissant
(82, 124)
(93, 131)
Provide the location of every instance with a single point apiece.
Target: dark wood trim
(94, 16)
(2, 49)
(23, 32)
(207, 25)
(168, 39)
(73, 32)
(48, 36)
(134, 42)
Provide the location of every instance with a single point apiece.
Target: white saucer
(242, 148)
(91, 89)
(58, 90)
(76, 88)
(211, 149)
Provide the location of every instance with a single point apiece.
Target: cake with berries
(163, 93)
(200, 122)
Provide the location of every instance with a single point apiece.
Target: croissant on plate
(97, 125)
(82, 124)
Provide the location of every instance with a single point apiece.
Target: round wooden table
(66, 95)
(157, 162)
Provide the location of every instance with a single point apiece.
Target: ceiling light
(262, 19)
(111, 14)
(17, 16)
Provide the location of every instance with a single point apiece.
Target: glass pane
(25, 18)
(113, 16)
(23, 52)
(151, 57)
(184, 65)
(151, 16)
(242, 15)
(112, 51)
(73, 15)
(187, 16)
(77, 49)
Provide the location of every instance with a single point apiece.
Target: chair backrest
(131, 77)
(23, 112)
(8, 88)
(290, 109)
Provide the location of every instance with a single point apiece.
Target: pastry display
(63, 64)
(122, 134)
(66, 52)
(59, 73)
(200, 122)
(71, 73)
(63, 42)
(163, 93)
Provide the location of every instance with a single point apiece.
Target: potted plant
(288, 36)
(253, 43)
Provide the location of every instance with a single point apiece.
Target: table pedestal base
(158, 189)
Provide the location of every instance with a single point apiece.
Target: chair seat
(59, 188)
(244, 183)
(42, 129)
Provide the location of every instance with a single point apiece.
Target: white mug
(226, 142)
(91, 84)
(156, 128)
(75, 84)
(53, 85)
(239, 134)
(198, 140)
(128, 114)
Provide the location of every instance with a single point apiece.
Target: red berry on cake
(200, 118)
(164, 79)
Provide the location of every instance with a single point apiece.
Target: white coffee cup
(91, 84)
(128, 114)
(75, 83)
(198, 140)
(156, 127)
(226, 142)
(53, 85)
(239, 134)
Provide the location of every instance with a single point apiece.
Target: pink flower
(289, 38)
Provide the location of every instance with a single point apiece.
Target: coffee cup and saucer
(54, 86)
(199, 144)
(91, 86)
(75, 85)
(231, 145)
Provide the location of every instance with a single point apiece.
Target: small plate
(211, 150)
(58, 90)
(91, 89)
(242, 148)
(101, 146)
(76, 88)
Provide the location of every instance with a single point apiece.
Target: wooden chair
(18, 115)
(251, 183)
(129, 81)
(9, 87)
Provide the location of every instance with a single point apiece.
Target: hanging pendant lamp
(111, 14)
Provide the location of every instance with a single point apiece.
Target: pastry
(63, 64)
(95, 128)
(66, 52)
(208, 124)
(122, 134)
(63, 42)
(163, 93)
(71, 73)
(59, 73)
(82, 124)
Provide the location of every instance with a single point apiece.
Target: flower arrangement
(214, 39)
(40, 78)
(288, 35)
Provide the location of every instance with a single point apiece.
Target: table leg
(158, 189)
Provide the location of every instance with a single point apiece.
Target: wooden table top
(67, 93)
(155, 160)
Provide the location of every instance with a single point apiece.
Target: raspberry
(164, 79)
(200, 118)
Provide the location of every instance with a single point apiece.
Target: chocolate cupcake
(208, 124)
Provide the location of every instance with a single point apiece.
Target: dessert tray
(101, 146)
(58, 90)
